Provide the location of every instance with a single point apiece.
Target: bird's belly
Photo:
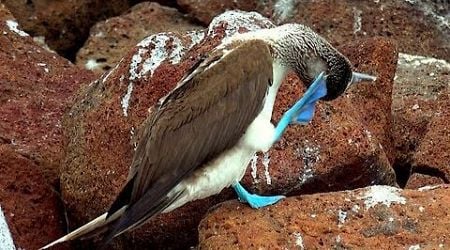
(228, 168)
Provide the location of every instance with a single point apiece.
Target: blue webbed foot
(254, 200)
(302, 111)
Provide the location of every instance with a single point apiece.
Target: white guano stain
(299, 240)
(265, 162)
(283, 9)
(310, 155)
(414, 247)
(156, 48)
(125, 102)
(342, 216)
(196, 36)
(385, 195)
(6, 241)
(14, 27)
(92, 64)
(236, 19)
(428, 188)
(254, 167)
(357, 23)
(416, 60)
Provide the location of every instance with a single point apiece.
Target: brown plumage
(197, 121)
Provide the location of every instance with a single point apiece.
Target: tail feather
(93, 227)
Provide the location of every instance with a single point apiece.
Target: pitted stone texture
(421, 92)
(347, 145)
(410, 23)
(63, 24)
(110, 40)
(103, 124)
(417, 180)
(36, 88)
(205, 11)
(377, 217)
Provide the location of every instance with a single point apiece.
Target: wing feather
(202, 117)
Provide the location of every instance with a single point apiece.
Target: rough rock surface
(417, 180)
(421, 91)
(110, 40)
(205, 11)
(103, 124)
(108, 113)
(376, 217)
(348, 143)
(433, 154)
(406, 22)
(35, 87)
(63, 24)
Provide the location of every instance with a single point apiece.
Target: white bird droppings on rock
(253, 165)
(414, 247)
(299, 240)
(14, 27)
(6, 241)
(157, 49)
(126, 99)
(265, 162)
(237, 19)
(385, 195)
(342, 216)
(357, 24)
(283, 9)
(310, 155)
(92, 64)
(428, 188)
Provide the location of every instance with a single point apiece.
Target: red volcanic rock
(103, 123)
(64, 24)
(420, 93)
(377, 217)
(417, 180)
(411, 24)
(110, 40)
(339, 150)
(347, 145)
(35, 87)
(433, 154)
(205, 11)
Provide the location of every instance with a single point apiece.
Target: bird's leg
(254, 200)
(302, 111)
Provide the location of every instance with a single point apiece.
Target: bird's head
(308, 54)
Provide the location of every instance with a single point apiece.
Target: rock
(345, 146)
(376, 217)
(35, 86)
(420, 89)
(350, 20)
(63, 24)
(205, 11)
(103, 124)
(417, 180)
(433, 154)
(110, 40)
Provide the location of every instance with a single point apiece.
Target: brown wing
(195, 123)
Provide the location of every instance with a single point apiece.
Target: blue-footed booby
(202, 135)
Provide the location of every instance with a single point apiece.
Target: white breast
(230, 166)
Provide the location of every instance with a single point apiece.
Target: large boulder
(346, 20)
(111, 39)
(421, 92)
(376, 217)
(35, 86)
(341, 149)
(64, 24)
(347, 145)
